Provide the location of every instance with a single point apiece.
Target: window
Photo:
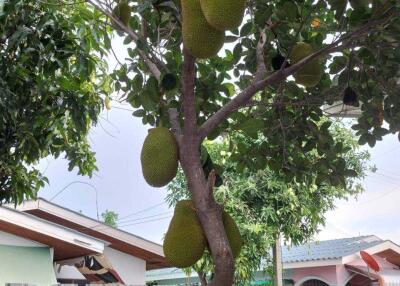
(314, 282)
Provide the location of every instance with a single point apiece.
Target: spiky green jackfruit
(184, 242)
(233, 234)
(159, 157)
(199, 38)
(123, 12)
(310, 74)
(223, 14)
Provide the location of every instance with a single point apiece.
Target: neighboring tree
(110, 218)
(358, 44)
(52, 76)
(264, 204)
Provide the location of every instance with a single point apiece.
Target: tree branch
(176, 126)
(372, 74)
(154, 69)
(241, 99)
(261, 68)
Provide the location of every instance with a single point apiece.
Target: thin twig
(154, 69)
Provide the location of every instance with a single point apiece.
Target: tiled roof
(328, 249)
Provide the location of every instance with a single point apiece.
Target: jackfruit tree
(226, 83)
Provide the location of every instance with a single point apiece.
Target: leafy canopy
(285, 114)
(51, 81)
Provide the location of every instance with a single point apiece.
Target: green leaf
(246, 29)
(139, 113)
(252, 126)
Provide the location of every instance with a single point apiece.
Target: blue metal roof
(328, 249)
(320, 250)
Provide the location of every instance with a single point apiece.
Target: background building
(331, 262)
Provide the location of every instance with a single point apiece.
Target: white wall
(13, 240)
(68, 272)
(131, 269)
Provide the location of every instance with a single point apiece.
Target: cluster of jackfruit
(310, 74)
(205, 22)
(159, 157)
(185, 242)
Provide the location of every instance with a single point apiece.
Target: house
(326, 263)
(43, 244)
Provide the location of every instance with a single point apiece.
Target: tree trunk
(208, 211)
(277, 257)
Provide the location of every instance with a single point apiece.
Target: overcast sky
(120, 187)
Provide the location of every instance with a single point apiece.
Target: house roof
(118, 239)
(296, 256)
(67, 243)
(328, 249)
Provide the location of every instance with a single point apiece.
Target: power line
(147, 221)
(101, 225)
(393, 180)
(84, 183)
(146, 217)
(388, 171)
(379, 197)
(141, 211)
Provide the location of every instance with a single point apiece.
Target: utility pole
(277, 257)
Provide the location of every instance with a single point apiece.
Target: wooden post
(277, 257)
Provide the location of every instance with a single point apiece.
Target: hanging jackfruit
(233, 234)
(159, 157)
(223, 14)
(123, 12)
(184, 242)
(310, 74)
(199, 38)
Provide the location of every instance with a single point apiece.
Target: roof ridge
(330, 240)
(352, 237)
(104, 225)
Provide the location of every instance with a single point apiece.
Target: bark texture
(208, 211)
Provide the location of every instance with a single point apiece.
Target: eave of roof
(118, 239)
(67, 243)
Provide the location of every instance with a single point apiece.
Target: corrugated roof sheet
(320, 250)
(328, 249)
